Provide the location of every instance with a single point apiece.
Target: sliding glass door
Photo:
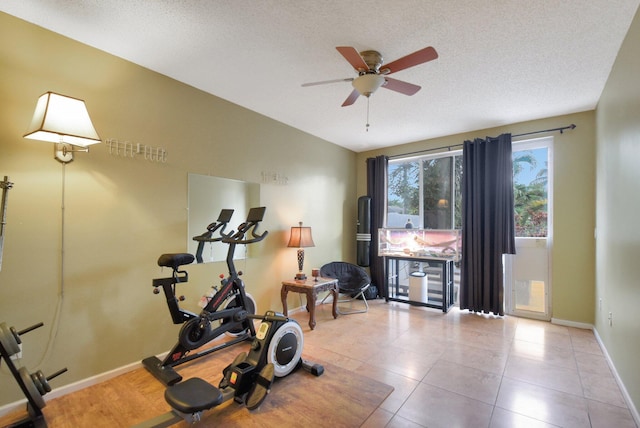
(527, 273)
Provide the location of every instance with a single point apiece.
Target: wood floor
(339, 398)
(455, 369)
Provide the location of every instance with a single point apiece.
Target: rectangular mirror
(208, 196)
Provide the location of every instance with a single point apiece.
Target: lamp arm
(68, 148)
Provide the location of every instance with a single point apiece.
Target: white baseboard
(623, 390)
(574, 324)
(76, 386)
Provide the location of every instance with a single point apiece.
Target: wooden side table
(311, 288)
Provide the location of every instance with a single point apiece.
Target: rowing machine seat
(193, 395)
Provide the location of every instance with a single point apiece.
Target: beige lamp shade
(300, 237)
(62, 119)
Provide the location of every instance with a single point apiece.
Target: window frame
(421, 158)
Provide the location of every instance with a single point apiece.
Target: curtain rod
(561, 129)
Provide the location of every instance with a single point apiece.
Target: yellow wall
(618, 205)
(572, 264)
(121, 214)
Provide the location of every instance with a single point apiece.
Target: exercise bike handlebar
(243, 229)
(221, 223)
(211, 229)
(254, 217)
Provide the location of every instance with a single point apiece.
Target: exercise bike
(227, 309)
(275, 352)
(219, 225)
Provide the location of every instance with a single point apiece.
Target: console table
(396, 291)
(311, 289)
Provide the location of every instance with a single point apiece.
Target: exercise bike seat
(174, 261)
(193, 395)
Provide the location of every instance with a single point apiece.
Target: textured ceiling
(500, 61)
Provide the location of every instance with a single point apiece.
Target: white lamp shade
(62, 119)
(367, 84)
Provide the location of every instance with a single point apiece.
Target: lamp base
(300, 276)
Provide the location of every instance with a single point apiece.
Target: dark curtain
(488, 229)
(377, 190)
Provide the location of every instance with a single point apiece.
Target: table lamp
(300, 238)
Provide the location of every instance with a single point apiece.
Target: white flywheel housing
(285, 348)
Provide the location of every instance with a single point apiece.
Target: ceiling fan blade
(423, 55)
(351, 98)
(353, 56)
(348, 79)
(400, 86)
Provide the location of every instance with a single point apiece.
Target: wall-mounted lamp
(300, 238)
(443, 203)
(64, 121)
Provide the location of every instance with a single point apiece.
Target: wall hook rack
(131, 150)
(272, 177)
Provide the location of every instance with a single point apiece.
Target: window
(530, 184)
(425, 191)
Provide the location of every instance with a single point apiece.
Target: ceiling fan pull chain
(367, 127)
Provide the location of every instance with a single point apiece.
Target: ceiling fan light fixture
(367, 84)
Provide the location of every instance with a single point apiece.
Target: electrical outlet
(610, 317)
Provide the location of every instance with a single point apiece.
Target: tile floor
(467, 370)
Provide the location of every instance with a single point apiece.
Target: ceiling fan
(372, 72)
